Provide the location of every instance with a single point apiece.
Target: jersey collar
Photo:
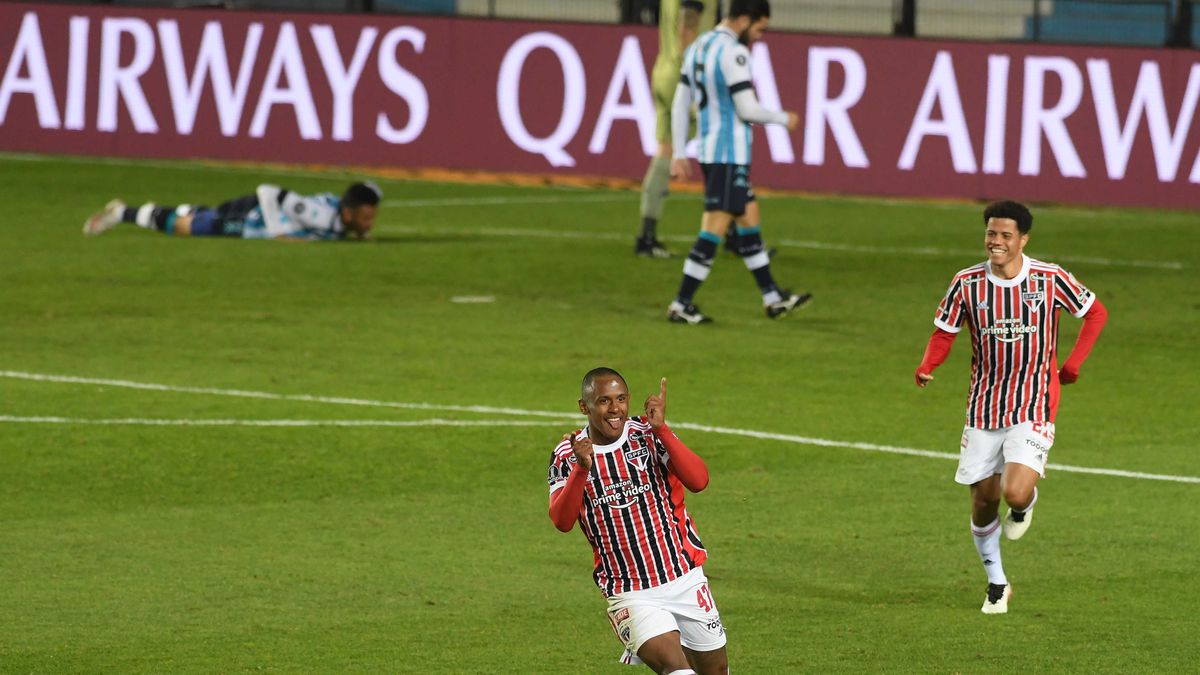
(611, 447)
(1009, 283)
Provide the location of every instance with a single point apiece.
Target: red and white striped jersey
(1014, 331)
(632, 513)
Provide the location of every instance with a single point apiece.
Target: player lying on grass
(272, 212)
(1010, 304)
(622, 480)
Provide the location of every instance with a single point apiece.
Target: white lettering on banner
(77, 73)
(630, 73)
(342, 81)
(1117, 139)
(287, 60)
(1037, 120)
(779, 140)
(211, 64)
(996, 115)
(508, 86)
(403, 83)
(820, 110)
(942, 89)
(124, 81)
(29, 52)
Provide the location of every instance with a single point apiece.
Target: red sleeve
(685, 464)
(565, 504)
(1093, 323)
(936, 351)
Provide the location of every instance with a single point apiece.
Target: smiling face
(606, 405)
(1005, 244)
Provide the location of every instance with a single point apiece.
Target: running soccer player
(1010, 304)
(716, 76)
(678, 24)
(622, 480)
(272, 212)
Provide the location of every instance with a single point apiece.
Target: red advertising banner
(878, 116)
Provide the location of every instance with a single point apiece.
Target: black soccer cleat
(652, 248)
(788, 304)
(679, 313)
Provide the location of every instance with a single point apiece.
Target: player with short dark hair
(679, 22)
(272, 212)
(622, 479)
(716, 76)
(1010, 304)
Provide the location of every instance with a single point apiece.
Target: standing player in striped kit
(679, 21)
(716, 76)
(622, 479)
(1010, 304)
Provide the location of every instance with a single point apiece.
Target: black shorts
(227, 220)
(727, 187)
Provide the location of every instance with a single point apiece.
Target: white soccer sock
(144, 213)
(685, 671)
(987, 543)
(1031, 502)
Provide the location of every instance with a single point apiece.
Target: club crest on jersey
(637, 454)
(1033, 299)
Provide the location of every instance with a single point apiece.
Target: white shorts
(986, 451)
(685, 604)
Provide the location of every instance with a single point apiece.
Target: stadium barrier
(880, 116)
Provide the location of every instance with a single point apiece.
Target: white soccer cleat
(996, 601)
(1015, 529)
(103, 221)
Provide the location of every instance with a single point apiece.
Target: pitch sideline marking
(794, 243)
(157, 422)
(747, 433)
(618, 197)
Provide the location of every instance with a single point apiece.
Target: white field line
(609, 197)
(792, 243)
(505, 201)
(68, 379)
(155, 422)
(227, 166)
(747, 433)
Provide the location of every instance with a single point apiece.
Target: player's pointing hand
(656, 406)
(582, 447)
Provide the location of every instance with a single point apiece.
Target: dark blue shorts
(227, 220)
(727, 187)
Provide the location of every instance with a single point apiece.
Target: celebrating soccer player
(271, 212)
(1010, 304)
(622, 479)
(716, 76)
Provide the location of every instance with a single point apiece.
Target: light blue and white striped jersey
(282, 213)
(715, 67)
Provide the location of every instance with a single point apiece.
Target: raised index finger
(662, 388)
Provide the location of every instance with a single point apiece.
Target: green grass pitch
(131, 548)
